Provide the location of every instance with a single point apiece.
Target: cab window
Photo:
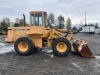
(45, 20)
(38, 19)
(32, 18)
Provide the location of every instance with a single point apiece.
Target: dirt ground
(45, 63)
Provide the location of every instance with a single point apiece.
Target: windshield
(36, 19)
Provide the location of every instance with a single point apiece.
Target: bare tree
(50, 19)
(17, 20)
(96, 25)
(69, 23)
(5, 23)
(21, 22)
(7, 20)
(61, 21)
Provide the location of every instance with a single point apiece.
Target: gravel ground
(45, 63)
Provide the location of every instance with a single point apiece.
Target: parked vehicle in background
(75, 31)
(88, 29)
(97, 30)
(1, 30)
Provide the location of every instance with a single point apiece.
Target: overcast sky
(74, 9)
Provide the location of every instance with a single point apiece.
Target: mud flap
(81, 48)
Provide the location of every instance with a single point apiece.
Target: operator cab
(38, 18)
(38, 22)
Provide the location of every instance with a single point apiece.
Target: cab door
(37, 24)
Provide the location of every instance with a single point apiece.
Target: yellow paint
(61, 47)
(23, 46)
(37, 41)
(49, 42)
(72, 49)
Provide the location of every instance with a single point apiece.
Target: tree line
(60, 22)
(5, 23)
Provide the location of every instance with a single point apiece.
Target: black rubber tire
(30, 46)
(56, 52)
(76, 48)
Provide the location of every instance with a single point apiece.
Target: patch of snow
(52, 56)
(47, 51)
(74, 64)
(2, 44)
(97, 57)
(6, 49)
(46, 60)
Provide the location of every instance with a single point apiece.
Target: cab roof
(33, 12)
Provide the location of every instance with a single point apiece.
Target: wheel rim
(23, 46)
(61, 47)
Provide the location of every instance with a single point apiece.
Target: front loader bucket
(85, 51)
(81, 48)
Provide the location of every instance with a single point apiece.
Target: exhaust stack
(24, 19)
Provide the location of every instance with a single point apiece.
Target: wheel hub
(61, 47)
(23, 46)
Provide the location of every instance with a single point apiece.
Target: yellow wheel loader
(38, 35)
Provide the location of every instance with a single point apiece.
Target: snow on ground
(5, 48)
(49, 52)
(2, 44)
(97, 57)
